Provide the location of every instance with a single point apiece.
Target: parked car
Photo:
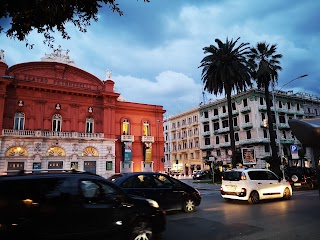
(253, 185)
(74, 205)
(202, 174)
(170, 193)
(302, 177)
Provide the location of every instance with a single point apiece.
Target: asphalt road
(215, 219)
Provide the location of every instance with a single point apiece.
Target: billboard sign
(248, 156)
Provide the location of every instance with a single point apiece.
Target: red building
(54, 115)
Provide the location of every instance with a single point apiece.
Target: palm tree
(226, 68)
(265, 63)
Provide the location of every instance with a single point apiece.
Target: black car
(202, 174)
(170, 193)
(302, 177)
(74, 205)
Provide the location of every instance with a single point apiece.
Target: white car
(253, 185)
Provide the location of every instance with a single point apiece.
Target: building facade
(251, 126)
(182, 142)
(54, 115)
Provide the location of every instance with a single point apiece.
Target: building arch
(90, 152)
(16, 151)
(55, 151)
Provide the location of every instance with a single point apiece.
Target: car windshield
(232, 176)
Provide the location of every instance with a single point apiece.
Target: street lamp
(277, 117)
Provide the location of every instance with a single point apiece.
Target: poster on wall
(248, 156)
(148, 155)
(127, 151)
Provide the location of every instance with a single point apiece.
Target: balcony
(299, 113)
(235, 112)
(205, 147)
(51, 134)
(127, 138)
(262, 108)
(222, 130)
(283, 126)
(225, 115)
(254, 141)
(245, 109)
(247, 125)
(147, 139)
(206, 133)
(204, 120)
(226, 144)
(286, 141)
(215, 117)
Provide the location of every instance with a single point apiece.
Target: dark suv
(72, 204)
(302, 177)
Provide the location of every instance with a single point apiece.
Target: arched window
(19, 121)
(56, 123)
(89, 125)
(146, 128)
(126, 127)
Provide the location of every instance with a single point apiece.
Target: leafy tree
(225, 68)
(46, 16)
(265, 63)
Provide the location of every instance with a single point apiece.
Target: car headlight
(153, 203)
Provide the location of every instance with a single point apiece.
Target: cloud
(175, 91)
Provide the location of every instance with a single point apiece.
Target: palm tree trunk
(275, 161)
(232, 141)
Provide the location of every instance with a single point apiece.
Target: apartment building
(182, 142)
(251, 126)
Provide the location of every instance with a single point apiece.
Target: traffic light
(177, 161)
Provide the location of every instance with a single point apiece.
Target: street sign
(294, 151)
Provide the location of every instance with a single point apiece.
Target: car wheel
(188, 205)
(141, 230)
(286, 194)
(310, 185)
(254, 197)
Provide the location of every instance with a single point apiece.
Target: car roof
(45, 173)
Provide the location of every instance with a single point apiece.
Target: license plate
(231, 187)
(297, 184)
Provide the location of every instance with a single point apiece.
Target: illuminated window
(19, 121)
(89, 125)
(55, 151)
(125, 127)
(15, 165)
(56, 123)
(146, 128)
(55, 165)
(16, 151)
(90, 151)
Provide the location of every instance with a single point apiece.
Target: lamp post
(277, 117)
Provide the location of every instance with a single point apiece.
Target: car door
(101, 208)
(269, 185)
(141, 185)
(170, 192)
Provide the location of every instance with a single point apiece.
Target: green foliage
(225, 68)
(265, 64)
(47, 16)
